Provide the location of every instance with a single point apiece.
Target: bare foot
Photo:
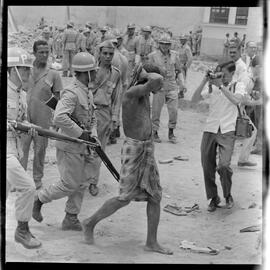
(157, 248)
(88, 232)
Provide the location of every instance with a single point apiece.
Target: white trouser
(18, 178)
(247, 145)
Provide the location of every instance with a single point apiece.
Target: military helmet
(183, 37)
(88, 24)
(83, 61)
(131, 26)
(46, 30)
(86, 30)
(165, 39)
(146, 29)
(70, 23)
(106, 44)
(18, 57)
(117, 33)
(103, 29)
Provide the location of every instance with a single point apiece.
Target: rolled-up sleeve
(64, 108)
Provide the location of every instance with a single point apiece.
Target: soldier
(46, 36)
(58, 43)
(121, 62)
(80, 44)
(144, 45)
(185, 56)
(91, 41)
(129, 42)
(43, 83)
(19, 64)
(102, 37)
(226, 44)
(169, 63)
(120, 47)
(70, 37)
(72, 158)
(107, 93)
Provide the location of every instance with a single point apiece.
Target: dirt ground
(121, 237)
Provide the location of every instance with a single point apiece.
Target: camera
(211, 74)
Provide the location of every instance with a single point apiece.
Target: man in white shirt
(219, 131)
(241, 71)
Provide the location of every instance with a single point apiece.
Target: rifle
(61, 137)
(136, 72)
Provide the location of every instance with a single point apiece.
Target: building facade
(217, 21)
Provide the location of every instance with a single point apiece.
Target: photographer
(219, 130)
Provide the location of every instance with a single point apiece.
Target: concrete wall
(214, 34)
(178, 19)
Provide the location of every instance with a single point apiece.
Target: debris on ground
(180, 211)
(182, 158)
(165, 161)
(187, 245)
(254, 228)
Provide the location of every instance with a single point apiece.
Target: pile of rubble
(23, 39)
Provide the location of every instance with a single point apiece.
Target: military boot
(64, 74)
(171, 136)
(117, 132)
(71, 222)
(112, 138)
(25, 237)
(36, 213)
(156, 137)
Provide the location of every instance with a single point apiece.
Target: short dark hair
(230, 66)
(227, 34)
(38, 43)
(151, 68)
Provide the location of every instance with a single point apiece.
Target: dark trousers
(209, 144)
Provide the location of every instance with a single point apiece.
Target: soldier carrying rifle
(73, 159)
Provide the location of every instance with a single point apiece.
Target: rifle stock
(61, 137)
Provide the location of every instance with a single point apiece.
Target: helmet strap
(18, 74)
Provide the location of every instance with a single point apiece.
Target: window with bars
(219, 15)
(241, 16)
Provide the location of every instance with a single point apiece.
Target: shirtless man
(139, 176)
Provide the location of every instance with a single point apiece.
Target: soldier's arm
(64, 108)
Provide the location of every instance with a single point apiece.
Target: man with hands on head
(219, 130)
(139, 176)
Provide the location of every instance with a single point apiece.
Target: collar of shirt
(13, 86)
(81, 85)
(163, 54)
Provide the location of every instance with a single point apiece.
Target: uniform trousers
(67, 60)
(170, 97)
(104, 128)
(209, 144)
(40, 145)
(74, 171)
(17, 177)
